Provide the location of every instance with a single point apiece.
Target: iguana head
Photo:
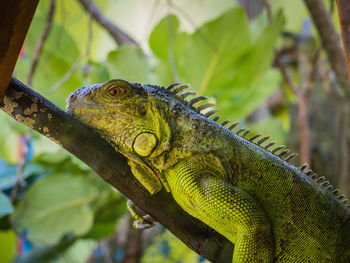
(130, 116)
(127, 114)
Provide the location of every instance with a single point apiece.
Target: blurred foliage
(168, 249)
(211, 46)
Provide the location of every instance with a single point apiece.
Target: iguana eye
(114, 91)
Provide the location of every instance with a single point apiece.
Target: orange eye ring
(114, 91)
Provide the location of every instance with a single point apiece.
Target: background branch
(117, 34)
(33, 110)
(330, 42)
(41, 42)
(344, 17)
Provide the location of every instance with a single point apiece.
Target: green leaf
(203, 58)
(220, 59)
(97, 73)
(5, 205)
(166, 248)
(129, 63)
(107, 209)
(54, 206)
(78, 252)
(8, 173)
(9, 137)
(272, 127)
(261, 54)
(7, 246)
(244, 99)
(295, 12)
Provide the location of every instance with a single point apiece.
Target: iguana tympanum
(271, 210)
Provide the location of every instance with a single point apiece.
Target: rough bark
(30, 108)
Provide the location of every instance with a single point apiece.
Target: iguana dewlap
(271, 210)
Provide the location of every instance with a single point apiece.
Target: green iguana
(269, 209)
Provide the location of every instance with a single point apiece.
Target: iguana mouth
(84, 106)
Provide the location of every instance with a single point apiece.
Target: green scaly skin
(271, 210)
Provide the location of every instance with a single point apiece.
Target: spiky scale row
(204, 106)
(254, 137)
(185, 94)
(309, 172)
(278, 148)
(240, 131)
(216, 118)
(225, 122)
(263, 140)
(283, 153)
(325, 183)
(335, 192)
(196, 99)
(233, 125)
(173, 85)
(209, 113)
(267, 146)
(320, 179)
(289, 157)
(245, 133)
(177, 87)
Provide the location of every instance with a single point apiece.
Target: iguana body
(271, 210)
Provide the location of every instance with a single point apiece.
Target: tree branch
(33, 110)
(15, 18)
(330, 41)
(344, 17)
(118, 35)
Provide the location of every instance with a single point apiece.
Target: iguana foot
(141, 222)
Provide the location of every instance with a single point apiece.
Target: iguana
(269, 209)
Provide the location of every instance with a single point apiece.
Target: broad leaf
(129, 63)
(7, 245)
(54, 206)
(220, 59)
(5, 205)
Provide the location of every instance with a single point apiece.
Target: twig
(105, 253)
(20, 183)
(286, 76)
(313, 74)
(133, 244)
(40, 45)
(344, 17)
(268, 10)
(117, 34)
(77, 64)
(330, 42)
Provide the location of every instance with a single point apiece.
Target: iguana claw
(141, 222)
